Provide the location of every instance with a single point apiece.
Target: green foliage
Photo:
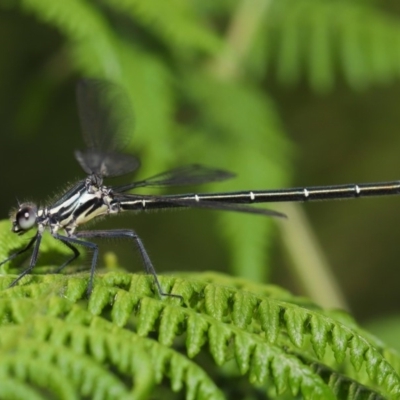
(124, 341)
(226, 121)
(319, 38)
(164, 55)
(226, 335)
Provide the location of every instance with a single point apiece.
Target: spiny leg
(70, 246)
(17, 253)
(37, 240)
(127, 233)
(70, 241)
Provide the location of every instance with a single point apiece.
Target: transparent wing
(107, 123)
(105, 164)
(188, 175)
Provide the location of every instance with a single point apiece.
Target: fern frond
(77, 349)
(342, 386)
(15, 389)
(87, 30)
(269, 339)
(176, 23)
(63, 373)
(148, 81)
(318, 36)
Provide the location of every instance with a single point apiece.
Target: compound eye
(26, 217)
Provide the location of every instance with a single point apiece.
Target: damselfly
(105, 116)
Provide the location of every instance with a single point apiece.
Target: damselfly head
(24, 218)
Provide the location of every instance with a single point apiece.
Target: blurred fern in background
(195, 72)
(199, 75)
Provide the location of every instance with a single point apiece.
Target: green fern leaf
(196, 334)
(176, 23)
(319, 336)
(84, 26)
(148, 316)
(343, 387)
(269, 314)
(243, 353)
(243, 309)
(316, 36)
(12, 388)
(295, 324)
(340, 339)
(229, 324)
(357, 352)
(216, 301)
(171, 324)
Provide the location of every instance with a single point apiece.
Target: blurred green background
(283, 93)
